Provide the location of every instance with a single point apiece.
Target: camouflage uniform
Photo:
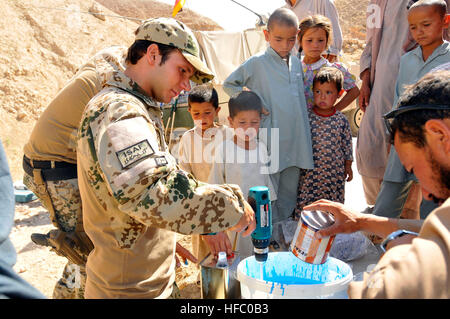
(135, 196)
(57, 142)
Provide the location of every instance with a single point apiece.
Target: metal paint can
(304, 245)
(218, 277)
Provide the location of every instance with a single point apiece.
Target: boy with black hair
(196, 150)
(277, 78)
(243, 159)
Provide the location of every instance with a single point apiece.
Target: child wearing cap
(276, 77)
(428, 20)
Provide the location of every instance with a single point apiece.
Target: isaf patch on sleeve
(134, 153)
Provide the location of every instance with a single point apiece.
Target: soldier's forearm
(183, 205)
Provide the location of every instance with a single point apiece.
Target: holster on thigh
(74, 245)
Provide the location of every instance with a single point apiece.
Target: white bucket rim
(327, 288)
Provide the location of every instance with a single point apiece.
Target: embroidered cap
(175, 33)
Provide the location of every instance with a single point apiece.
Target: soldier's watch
(394, 235)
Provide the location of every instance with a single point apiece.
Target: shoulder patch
(161, 161)
(134, 153)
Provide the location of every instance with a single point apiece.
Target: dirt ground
(42, 268)
(38, 54)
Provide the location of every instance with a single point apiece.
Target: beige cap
(175, 33)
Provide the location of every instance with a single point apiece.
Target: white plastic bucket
(285, 276)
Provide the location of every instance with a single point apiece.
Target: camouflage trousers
(66, 200)
(72, 282)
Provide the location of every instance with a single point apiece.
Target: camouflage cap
(175, 33)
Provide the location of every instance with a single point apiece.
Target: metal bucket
(219, 282)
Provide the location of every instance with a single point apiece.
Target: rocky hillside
(352, 17)
(44, 41)
(144, 9)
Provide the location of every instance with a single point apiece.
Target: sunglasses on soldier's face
(390, 116)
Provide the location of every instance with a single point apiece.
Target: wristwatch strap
(394, 235)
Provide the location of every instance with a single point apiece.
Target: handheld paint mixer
(259, 200)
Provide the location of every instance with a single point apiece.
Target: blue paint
(284, 268)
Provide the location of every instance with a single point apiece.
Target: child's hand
(349, 175)
(331, 58)
(217, 243)
(364, 92)
(184, 254)
(348, 171)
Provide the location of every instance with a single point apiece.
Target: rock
(6, 89)
(7, 75)
(10, 110)
(22, 270)
(21, 115)
(97, 12)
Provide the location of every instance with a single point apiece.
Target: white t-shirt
(196, 152)
(246, 168)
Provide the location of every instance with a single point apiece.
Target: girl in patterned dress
(331, 141)
(314, 38)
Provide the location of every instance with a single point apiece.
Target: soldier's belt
(50, 170)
